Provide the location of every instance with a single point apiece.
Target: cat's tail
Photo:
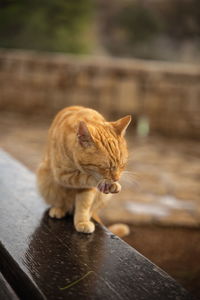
(119, 229)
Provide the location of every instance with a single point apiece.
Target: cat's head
(101, 148)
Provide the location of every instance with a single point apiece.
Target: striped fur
(83, 161)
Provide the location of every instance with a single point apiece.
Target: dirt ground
(160, 198)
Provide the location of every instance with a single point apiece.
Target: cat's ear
(121, 125)
(84, 136)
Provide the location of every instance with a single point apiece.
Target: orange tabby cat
(84, 159)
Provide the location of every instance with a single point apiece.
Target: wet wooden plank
(40, 257)
(6, 292)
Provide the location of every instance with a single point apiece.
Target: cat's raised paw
(107, 186)
(115, 187)
(85, 227)
(56, 212)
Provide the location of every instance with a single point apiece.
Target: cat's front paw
(85, 227)
(107, 186)
(115, 187)
(57, 212)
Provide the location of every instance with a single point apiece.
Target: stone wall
(167, 94)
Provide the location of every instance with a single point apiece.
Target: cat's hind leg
(57, 212)
(53, 193)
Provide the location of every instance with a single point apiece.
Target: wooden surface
(6, 292)
(40, 257)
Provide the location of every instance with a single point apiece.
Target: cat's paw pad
(115, 187)
(107, 186)
(85, 227)
(56, 212)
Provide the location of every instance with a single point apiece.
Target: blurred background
(119, 57)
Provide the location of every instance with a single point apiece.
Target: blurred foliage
(148, 29)
(53, 25)
(139, 22)
(155, 29)
(180, 18)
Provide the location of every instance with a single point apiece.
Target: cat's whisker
(128, 178)
(129, 172)
(131, 157)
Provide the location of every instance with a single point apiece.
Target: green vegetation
(156, 29)
(53, 25)
(139, 22)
